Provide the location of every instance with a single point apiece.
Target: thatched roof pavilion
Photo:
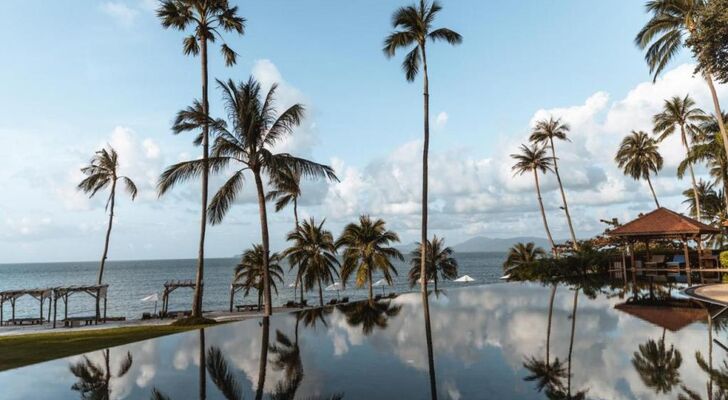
(663, 223)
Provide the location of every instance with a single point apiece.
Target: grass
(21, 350)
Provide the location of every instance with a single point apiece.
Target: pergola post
(687, 260)
(106, 297)
(2, 305)
(232, 294)
(41, 307)
(633, 264)
(624, 266)
(55, 308)
(65, 306)
(12, 304)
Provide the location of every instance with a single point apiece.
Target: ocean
(131, 281)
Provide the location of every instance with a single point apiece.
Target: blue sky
(82, 74)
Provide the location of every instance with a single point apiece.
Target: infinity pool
(488, 342)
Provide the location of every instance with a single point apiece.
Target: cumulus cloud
(122, 13)
(467, 189)
(441, 120)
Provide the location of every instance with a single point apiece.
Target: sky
(85, 74)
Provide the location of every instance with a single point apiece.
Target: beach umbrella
(292, 284)
(152, 297)
(464, 279)
(380, 283)
(336, 286)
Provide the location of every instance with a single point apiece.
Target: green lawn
(20, 350)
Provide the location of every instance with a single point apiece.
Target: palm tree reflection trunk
(263, 358)
(203, 371)
(571, 341)
(430, 355)
(548, 329)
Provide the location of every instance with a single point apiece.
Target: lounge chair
(344, 300)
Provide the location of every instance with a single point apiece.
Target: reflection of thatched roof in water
(673, 316)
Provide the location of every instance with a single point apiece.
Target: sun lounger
(23, 321)
(247, 307)
(74, 322)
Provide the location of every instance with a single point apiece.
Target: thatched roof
(671, 318)
(662, 223)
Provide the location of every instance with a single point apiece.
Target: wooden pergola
(664, 224)
(171, 286)
(98, 292)
(12, 295)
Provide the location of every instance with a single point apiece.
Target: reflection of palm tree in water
(717, 376)
(94, 380)
(288, 359)
(370, 315)
(543, 372)
(657, 365)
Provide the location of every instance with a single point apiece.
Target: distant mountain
(480, 243)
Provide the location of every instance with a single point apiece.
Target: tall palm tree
(367, 248)
(249, 271)
(441, 264)
(681, 113)
(534, 159)
(94, 380)
(286, 190)
(100, 173)
(314, 251)
(205, 18)
(705, 203)
(253, 128)
(638, 156)
(544, 133)
(412, 31)
(664, 35)
(710, 150)
(521, 255)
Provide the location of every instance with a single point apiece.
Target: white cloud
(122, 13)
(441, 120)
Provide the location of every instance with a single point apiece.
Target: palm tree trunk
(112, 198)
(718, 112)
(543, 213)
(197, 298)
(371, 288)
(692, 173)
(654, 196)
(571, 341)
(425, 167)
(548, 328)
(563, 197)
(321, 293)
(435, 279)
(266, 245)
(298, 275)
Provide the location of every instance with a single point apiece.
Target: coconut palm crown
(639, 157)
(441, 263)
(366, 250)
(249, 271)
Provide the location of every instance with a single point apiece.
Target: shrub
(724, 259)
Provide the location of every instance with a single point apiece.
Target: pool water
(488, 342)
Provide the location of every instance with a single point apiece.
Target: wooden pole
(232, 293)
(65, 306)
(624, 267)
(12, 303)
(50, 303)
(55, 308)
(106, 297)
(687, 261)
(41, 307)
(2, 305)
(633, 264)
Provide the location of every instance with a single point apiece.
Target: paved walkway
(219, 316)
(714, 293)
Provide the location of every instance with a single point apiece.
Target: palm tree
(638, 156)
(658, 366)
(705, 201)
(709, 149)
(440, 261)
(287, 190)
(206, 18)
(521, 255)
(413, 29)
(102, 172)
(544, 133)
(546, 375)
(682, 113)
(366, 250)
(254, 128)
(664, 36)
(249, 271)
(534, 159)
(287, 358)
(314, 251)
(94, 380)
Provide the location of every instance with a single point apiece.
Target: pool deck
(716, 294)
(219, 316)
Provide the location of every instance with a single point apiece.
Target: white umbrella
(152, 297)
(336, 286)
(380, 283)
(292, 284)
(465, 278)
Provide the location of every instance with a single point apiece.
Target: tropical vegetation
(441, 263)
(639, 157)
